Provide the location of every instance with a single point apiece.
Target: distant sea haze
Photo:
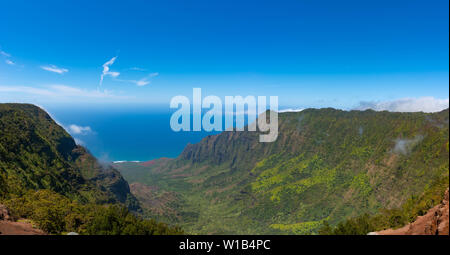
(130, 134)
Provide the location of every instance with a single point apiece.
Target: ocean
(125, 134)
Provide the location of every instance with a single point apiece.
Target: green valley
(327, 166)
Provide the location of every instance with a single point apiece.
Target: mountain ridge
(37, 153)
(49, 182)
(326, 165)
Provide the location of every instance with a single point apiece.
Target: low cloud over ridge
(79, 130)
(291, 110)
(422, 104)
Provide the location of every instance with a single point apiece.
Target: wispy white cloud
(138, 69)
(5, 54)
(79, 130)
(79, 141)
(77, 92)
(291, 110)
(7, 58)
(422, 104)
(405, 146)
(59, 91)
(27, 90)
(146, 80)
(106, 70)
(54, 69)
(142, 82)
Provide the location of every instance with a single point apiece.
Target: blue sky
(309, 53)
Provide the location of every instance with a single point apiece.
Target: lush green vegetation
(391, 218)
(56, 214)
(325, 167)
(48, 179)
(329, 172)
(36, 153)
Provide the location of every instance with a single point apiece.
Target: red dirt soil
(10, 227)
(147, 163)
(18, 228)
(435, 222)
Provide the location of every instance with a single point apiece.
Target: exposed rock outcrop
(9, 227)
(4, 213)
(435, 222)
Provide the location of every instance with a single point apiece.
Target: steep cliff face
(36, 153)
(434, 222)
(326, 165)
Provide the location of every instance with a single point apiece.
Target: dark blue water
(126, 134)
